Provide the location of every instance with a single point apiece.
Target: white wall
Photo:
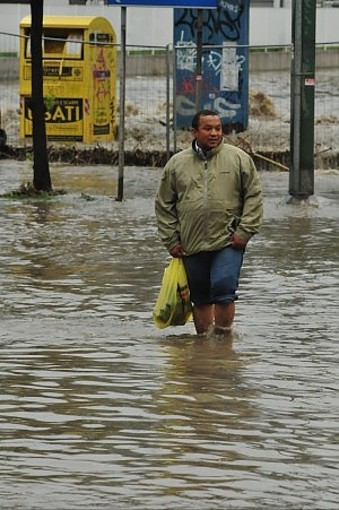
(154, 26)
(145, 26)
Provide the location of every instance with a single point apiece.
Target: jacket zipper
(205, 199)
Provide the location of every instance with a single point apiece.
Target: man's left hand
(238, 242)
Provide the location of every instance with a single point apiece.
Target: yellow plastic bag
(173, 306)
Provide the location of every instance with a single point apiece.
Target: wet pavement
(99, 409)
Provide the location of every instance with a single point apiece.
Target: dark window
(77, 2)
(262, 3)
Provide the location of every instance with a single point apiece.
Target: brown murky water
(101, 410)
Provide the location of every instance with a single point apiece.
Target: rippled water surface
(101, 410)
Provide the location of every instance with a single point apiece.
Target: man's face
(209, 132)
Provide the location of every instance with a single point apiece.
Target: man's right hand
(177, 251)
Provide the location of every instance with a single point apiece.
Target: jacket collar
(206, 154)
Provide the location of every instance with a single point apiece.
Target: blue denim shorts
(213, 277)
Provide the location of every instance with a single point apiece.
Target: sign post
(122, 101)
(198, 76)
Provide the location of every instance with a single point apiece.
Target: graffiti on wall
(224, 63)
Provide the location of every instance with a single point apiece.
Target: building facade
(270, 20)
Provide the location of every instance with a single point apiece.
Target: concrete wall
(154, 26)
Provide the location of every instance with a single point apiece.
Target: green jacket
(202, 200)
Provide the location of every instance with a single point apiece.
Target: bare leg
(203, 317)
(224, 314)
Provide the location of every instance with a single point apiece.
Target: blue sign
(177, 4)
(223, 82)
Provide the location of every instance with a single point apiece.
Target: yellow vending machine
(79, 76)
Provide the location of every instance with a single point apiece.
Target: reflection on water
(101, 410)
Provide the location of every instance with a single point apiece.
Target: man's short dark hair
(202, 113)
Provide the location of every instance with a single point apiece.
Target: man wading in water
(208, 206)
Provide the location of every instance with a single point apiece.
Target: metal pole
(168, 98)
(198, 78)
(301, 177)
(122, 89)
(174, 63)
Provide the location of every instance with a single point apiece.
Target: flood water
(99, 409)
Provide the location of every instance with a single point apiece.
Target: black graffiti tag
(216, 21)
